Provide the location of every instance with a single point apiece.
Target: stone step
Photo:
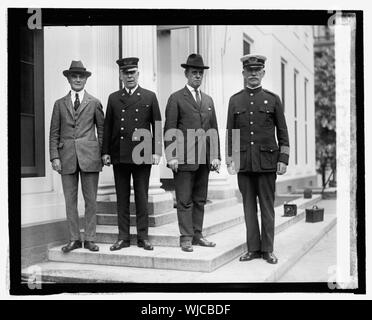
(215, 220)
(230, 243)
(106, 215)
(290, 245)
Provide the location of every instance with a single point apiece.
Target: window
(247, 48)
(282, 71)
(32, 103)
(295, 77)
(305, 104)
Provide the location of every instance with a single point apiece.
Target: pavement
(316, 265)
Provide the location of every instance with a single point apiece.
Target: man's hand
(215, 165)
(173, 164)
(56, 165)
(231, 168)
(281, 168)
(156, 159)
(106, 159)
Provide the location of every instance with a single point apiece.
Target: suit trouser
(191, 194)
(261, 185)
(89, 185)
(141, 177)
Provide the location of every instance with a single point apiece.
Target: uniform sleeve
(156, 126)
(281, 132)
(171, 123)
(99, 121)
(215, 151)
(54, 133)
(229, 128)
(107, 129)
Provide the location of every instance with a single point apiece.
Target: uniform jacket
(73, 136)
(257, 113)
(125, 115)
(183, 113)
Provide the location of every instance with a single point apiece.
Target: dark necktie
(77, 102)
(197, 95)
(130, 92)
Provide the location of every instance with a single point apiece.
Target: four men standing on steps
(192, 150)
(75, 150)
(258, 114)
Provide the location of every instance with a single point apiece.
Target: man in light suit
(75, 151)
(189, 110)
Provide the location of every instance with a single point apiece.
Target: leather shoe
(186, 246)
(250, 256)
(203, 242)
(270, 257)
(120, 244)
(145, 244)
(90, 245)
(73, 244)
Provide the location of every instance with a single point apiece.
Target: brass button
(121, 128)
(122, 119)
(252, 142)
(251, 112)
(121, 138)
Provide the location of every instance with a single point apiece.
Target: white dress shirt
(192, 90)
(132, 90)
(80, 93)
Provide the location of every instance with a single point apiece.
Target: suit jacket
(73, 137)
(258, 114)
(182, 114)
(125, 117)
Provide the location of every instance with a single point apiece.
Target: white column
(211, 49)
(140, 41)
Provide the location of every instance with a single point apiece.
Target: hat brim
(254, 65)
(185, 65)
(128, 67)
(66, 73)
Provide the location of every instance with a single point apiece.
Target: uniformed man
(257, 113)
(129, 111)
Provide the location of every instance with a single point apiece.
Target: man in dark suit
(131, 113)
(257, 113)
(190, 114)
(75, 150)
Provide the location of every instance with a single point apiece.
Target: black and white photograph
(188, 150)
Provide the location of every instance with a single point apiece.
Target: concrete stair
(224, 226)
(106, 213)
(290, 245)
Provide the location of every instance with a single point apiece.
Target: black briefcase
(308, 194)
(290, 210)
(314, 214)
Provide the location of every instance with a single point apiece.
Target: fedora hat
(77, 67)
(194, 60)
